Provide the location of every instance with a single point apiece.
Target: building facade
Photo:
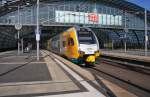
(109, 20)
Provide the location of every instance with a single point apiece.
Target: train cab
(88, 45)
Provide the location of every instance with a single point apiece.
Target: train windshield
(86, 37)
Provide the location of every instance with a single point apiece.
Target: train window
(86, 37)
(64, 44)
(70, 41)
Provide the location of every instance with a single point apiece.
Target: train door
(72, 45)
(64, 44)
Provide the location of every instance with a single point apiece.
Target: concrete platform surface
(137, 52)
(126, 56)
(23, 76)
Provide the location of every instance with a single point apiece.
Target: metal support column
(112, 44)
(18, 43)
(37, 29)
(18, 31)
(48, 15)
(125, 35)
(146, 36)
(22, 44)
(38, 51)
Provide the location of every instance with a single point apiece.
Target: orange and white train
(78, 44)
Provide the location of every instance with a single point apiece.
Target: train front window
(86, 37)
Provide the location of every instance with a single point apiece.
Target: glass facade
(7, 40)
(135, 39)
(96, 15)
(74, 12)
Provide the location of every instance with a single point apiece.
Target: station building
(113, 21)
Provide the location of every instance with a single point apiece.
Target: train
(78, 44)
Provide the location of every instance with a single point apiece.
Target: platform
(130, 55)
(22, 76)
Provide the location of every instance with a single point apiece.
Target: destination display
(87, 18)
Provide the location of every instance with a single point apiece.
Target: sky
(142, 3)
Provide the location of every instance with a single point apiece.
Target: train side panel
(48, 44)
(55, 44)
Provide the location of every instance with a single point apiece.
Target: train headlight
(81, 53)
(97, 53)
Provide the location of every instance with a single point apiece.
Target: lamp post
(18, 32)
(146, 36)
(22, 44)
(112, 44)
(37, 29)
(125, 35)
(18, 25)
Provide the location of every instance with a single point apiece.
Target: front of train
(88, 46)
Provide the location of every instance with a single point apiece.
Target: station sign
(37, 37)
(146, 38)
(38, 33)
(87, 18)
(93, 17)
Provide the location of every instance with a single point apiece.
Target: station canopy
(121, 4)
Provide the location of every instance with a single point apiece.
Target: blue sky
(142, 3)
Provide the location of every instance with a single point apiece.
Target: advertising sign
(37, 37)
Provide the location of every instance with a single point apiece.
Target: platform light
(125, 35)
(146, 36)
(37, 27)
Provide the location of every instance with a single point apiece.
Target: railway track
(134, 78)
(134, 63)
(142, 68)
